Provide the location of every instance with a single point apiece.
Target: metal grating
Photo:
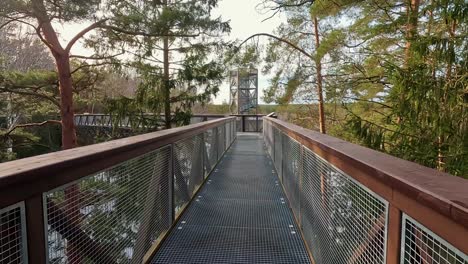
(12, 235)
(188, 169)
(343, 221)
(113, 216)
(291, 173)
(420, 245)
(240, 215)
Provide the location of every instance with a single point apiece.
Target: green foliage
(193, 77)
(399, 76)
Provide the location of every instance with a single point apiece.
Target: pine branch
(31, 125)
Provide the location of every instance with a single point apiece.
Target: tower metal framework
(244, 91)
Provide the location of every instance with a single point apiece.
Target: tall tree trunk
(448, 75)
(66, 101)
(167, 85)
(412, 12)
(62, 61)
(318, 65)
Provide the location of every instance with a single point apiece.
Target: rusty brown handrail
(435, 199)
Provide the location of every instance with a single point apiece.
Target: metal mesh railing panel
(268, 136)
(210, 156)
(291, 172)
(113, 216)
(227, 129)
(238, 124)
(234, 128)
(221, 143)
(12, 235)
(188, 169)
(420, 245)
(278, 151)
(342, 220)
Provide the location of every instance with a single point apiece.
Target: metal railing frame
(437, 200)
(26, 180)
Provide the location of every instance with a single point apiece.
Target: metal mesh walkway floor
(240, 215)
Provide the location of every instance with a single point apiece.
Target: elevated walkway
(204, 193)
(240, 215)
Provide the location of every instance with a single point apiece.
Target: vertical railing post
(300, 187)
(273, 145)
(393, 235)
(281, 154)
(171, 184)
(256, 124)
(215, 134)
(243, 123)
(35, 230)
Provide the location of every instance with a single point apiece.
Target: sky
(245, 19)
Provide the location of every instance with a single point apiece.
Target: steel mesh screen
(234, 128)
(238, 124)
(420, 245)
(343, 221)
(210, 156)
(277, 138)
(250, 124)
(12, 237)
(291, 172)
(113, 216)
(221, 143)
(188, 170)
(268, 135)
(227, 129)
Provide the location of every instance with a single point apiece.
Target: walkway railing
(106, 120)
(109, 202)
(245, 123)
(356, 205)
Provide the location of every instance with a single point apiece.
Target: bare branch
(35, 94)
(97, 58)
(146, 34)
(82, 33)
(31, 125)
(281, 40)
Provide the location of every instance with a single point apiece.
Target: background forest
(390, 75)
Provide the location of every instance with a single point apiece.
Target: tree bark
(448, 75)
(318, 65)
(62, 60)
(412, 12)
(66, 102)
